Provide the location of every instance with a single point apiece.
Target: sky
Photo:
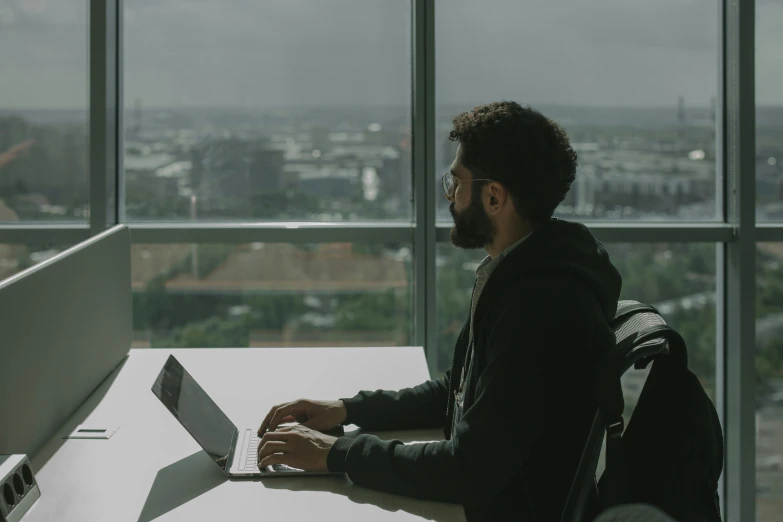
(269, 53)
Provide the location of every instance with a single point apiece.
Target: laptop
(234, 451)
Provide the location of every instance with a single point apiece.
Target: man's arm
(420, 407)
(512, 412)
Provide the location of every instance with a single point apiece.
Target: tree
(214, 332)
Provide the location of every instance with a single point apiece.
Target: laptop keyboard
(252, 452)
(251, 462)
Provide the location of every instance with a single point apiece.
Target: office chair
(641, 335)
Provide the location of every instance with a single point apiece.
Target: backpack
(671, 454)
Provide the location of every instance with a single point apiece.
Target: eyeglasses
(450, 183)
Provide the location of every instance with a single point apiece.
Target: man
(516, 405)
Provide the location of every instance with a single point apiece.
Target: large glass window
(271, 294)
(633, 84)
(293, 110)
(769, 113)
(14, 257)
(43, 111)
(769, 298)
(769, 373)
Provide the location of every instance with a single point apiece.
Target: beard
(473, 228)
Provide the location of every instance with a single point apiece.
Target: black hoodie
(541, 326)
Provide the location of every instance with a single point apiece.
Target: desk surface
(151, 469)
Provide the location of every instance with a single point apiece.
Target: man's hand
(296, 446)
(318, 415)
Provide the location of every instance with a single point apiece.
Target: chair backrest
(641, 335)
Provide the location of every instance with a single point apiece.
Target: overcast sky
(258, 53)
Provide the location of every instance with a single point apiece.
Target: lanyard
(468, 360)
(469, 352)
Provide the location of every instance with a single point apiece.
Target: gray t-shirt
(484, 270)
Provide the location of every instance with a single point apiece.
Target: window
(769, 113)
(290, 111)
(14, 257)
(43, 111)
(769, 276)
(769, 373)
(271, 294)
(633, 86)
(679, 281)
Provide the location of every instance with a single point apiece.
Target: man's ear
(495, 195)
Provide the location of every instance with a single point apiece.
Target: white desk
(151, 469)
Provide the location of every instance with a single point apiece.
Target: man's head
(513, 167)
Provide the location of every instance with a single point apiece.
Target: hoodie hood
(566, 249)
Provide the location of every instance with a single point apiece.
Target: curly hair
(523, 150)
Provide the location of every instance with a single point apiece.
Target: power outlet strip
(18, 487)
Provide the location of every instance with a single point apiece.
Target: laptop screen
(196, 411)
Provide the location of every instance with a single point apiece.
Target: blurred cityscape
(354, 164)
